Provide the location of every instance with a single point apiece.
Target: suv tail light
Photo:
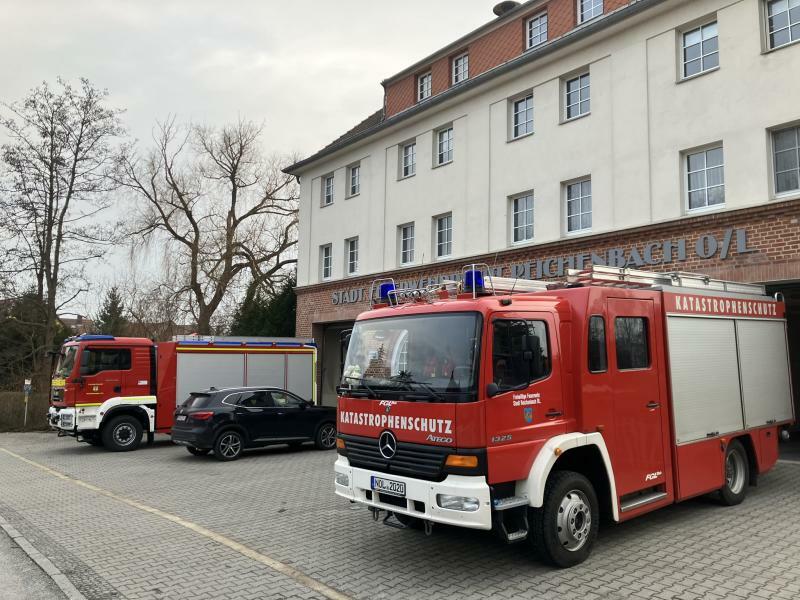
(202, 416)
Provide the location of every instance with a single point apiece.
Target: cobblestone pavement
(280, 504)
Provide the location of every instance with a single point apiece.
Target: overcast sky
(308, 69)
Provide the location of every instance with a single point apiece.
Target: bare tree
(223, 212)
(53, 186)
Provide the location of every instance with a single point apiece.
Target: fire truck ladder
(623, 277)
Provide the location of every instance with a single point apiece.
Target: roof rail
(623, 277)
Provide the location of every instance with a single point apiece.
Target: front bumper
(420, 500)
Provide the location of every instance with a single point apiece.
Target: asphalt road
(20, 577)
(160, 524)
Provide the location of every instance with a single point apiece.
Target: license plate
(180, 418)
(387, 486)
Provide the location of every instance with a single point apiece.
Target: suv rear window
(197, 401)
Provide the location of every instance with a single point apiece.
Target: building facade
(655, 134)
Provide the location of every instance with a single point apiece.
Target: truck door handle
(653, 405)
(552, 414)
(117, 389)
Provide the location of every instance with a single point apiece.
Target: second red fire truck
(533, 409)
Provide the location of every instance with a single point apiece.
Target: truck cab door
(102, 373)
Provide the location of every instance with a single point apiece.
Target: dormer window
(460, 68)
(424, 87)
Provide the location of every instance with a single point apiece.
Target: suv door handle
(653, 405)
(552, 414)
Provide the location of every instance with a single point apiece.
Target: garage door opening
(791, 295)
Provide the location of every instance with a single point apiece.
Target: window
(578, 102)
(285, 400)
(537, 30)
(326, 261)
(589, 9)
(522, 116)
(598, 358)
(700, 50)
(327, 190)
(444, 236)
(460, 68)
(783, 22)
(522, 218)
(786, 148)
(355, 180)
(409, 166)
(444, 146)
(407, 244)
(96, 360)
(424, 87)
(258, 399)
(579, 206)
(351, 248)
(705, 178)
(632, 347)
(520, 353)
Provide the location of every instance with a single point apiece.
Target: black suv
(231, 420)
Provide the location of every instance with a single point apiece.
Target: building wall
(642, 120)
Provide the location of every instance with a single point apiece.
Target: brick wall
(490, 50)
(773, 238)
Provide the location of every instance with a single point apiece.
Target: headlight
(342, 479)
(462, 503)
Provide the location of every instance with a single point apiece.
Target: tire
(564, 529)
(122, 434)
(198, 451)
(737, 474)
(326, 437)
(229, 446)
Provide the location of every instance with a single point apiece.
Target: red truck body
(100, 378)
(648, 425)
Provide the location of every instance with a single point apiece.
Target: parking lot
(159, 523)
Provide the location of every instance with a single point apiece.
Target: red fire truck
(533, 409)
(110, 390)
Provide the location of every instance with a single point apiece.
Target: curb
(44, 563)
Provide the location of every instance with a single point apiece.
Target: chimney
(504, 8)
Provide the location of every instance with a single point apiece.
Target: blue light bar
(384, 290)
(473, 281)
(94, 337)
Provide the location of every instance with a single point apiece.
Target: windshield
(416, 357)
(66, 361)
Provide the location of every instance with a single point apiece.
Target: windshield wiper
(426, 386)
(363, 383)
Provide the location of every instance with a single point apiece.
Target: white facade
(644, 119)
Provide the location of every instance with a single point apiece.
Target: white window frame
(424, 86)
(579, 77)
(443, 225)
(527, 213)
(701, 29)
(408, 160)
(445, 145)
(460, 72)
(769, 32)
(687, 178)
(354, 186)
(351, 252)
(325, 262)
(520, 129)
(581, 198)
(407, 252)
(592, 12)
(794, 191)
(535, 23)
(328, 189)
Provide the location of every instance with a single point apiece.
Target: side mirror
(304, 405)
(78, 380)
(492, 390)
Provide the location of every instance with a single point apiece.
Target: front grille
(411, 460)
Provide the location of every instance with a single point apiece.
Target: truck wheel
(198, 451)
(229, 446)
(564, 529)
(122, 434)
(326, 437)
(737, 474)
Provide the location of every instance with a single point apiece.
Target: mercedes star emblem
(387, 445)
